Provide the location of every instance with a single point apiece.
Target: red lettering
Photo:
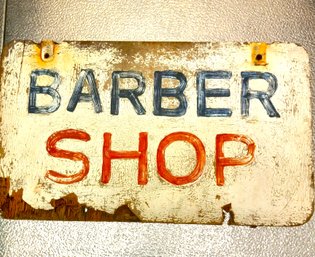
(141, 154)
(59, 153)
(200, 156)
(222, 161)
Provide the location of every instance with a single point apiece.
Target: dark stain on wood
(66, 208)
(228, 208)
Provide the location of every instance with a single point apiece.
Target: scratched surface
(215, 21)
(276, 188)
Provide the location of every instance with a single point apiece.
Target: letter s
(59, 153)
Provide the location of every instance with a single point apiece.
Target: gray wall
(2, 20)
(140, 20)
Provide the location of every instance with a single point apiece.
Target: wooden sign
(156, 132)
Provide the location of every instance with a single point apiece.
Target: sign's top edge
(29, 41)
(188, 43)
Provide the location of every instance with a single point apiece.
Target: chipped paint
(66, 208)
(275, 188)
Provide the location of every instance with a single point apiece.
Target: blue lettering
(48, 90)
(202, 93)
(78, 96)
(177, 92)
(264, 97)
(131, 94)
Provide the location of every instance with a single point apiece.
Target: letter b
(177, 93)
(48, 90)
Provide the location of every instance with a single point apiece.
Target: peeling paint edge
(67, 208)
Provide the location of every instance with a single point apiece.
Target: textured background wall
(137, 20)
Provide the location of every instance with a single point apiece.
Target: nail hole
(46, 55)
(258, 57)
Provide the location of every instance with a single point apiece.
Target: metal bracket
(259, 53)
(47, 50)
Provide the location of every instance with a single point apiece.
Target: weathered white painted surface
(276, 189)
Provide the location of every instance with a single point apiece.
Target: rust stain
(65, 208)
(259, 54)
(131, 52)
(68, 208)
(44, 54)
(47, 50)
